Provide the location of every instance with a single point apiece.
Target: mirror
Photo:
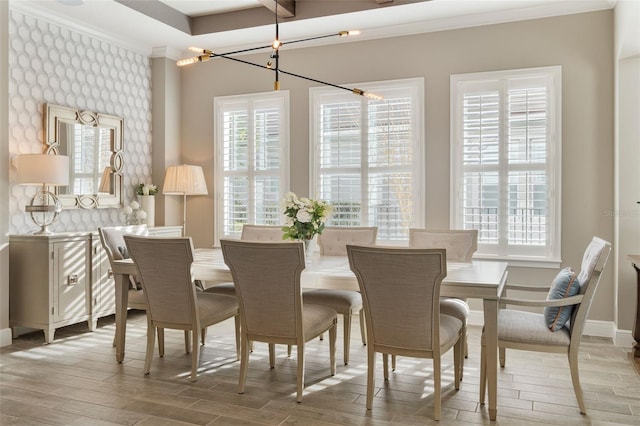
(94, 144)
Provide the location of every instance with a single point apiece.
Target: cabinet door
(104, 296)
(71, 279)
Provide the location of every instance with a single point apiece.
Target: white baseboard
(593, 328)
(5, 337)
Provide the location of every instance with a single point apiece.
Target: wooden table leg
(122, 300)
(491, 350)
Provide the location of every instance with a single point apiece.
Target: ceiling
(169, 27)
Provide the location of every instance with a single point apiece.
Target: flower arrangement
(146, 189)
(305, 217)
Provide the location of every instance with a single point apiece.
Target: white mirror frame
(56, 114)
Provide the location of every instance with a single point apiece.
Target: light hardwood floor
(76, 381)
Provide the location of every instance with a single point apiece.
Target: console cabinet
(61, 279)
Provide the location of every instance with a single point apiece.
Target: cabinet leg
(48, 334)
(93, 324)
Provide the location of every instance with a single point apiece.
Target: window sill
(523, 261)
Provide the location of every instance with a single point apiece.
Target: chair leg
(272, 355)
(151, 337)
(363, 327)
(502, 352)
(458, 356)
(347, 337)
(237, 323)
(436, 386)
(483, 373)
(575, 379)
(187, 341)
(333, 334)
(393, 362)
(244, 363)
(465, 347)
(385, 365)
(300, 377)
(160, 332)
(203, 336)
(371, 367)
(195, 355)
(289, 350)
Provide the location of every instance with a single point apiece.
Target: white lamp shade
(43, 169)
(184, 180)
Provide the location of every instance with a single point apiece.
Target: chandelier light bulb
(276, 43)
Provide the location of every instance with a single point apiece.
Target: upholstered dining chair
(333, 242)
(112, 241)
(164, 265)
(267, 280)
(460, 245)
(266, 233)
(525, 330)
(401, 292)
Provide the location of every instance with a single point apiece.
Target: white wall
(582, 44)
(53, 64)
(627, 186)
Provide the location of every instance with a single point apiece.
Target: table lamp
(46, 170)
(184, 180)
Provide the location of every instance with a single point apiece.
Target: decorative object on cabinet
(62, 279)
(146, 195)
(184, 180)
(45, 170)
(94, 143)
(134, 214)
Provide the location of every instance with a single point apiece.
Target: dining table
(479, 279)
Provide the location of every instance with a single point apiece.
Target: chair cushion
(342, 301)
(564, 285)
(316, 319)
(214, 308)
(449, 330)
(225, 288)
(453, 307)
(530, 328)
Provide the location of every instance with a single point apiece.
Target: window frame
(281, 98)
(414, 86)
(548, 255)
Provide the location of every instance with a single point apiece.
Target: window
(367, 158)
(252, 160)
(505, 161)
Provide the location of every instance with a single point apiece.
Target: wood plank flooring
(76, 381)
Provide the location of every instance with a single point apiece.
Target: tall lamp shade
(46, 170)
(184, 180)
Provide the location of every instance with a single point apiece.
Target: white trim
(166, 52)
(44, 14)
(5, 337)
(623, 338)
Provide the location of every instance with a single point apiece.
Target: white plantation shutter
(505, 153)
(251, 160)
(366, 156)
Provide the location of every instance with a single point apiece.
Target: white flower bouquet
(305, 217)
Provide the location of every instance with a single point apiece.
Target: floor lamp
(184, 180)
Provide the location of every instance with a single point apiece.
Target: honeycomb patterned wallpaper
(52, 64)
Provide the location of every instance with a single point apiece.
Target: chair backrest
(164, 266)
(401, 293)
(460, 244)
(593, 263)
(268, 233)
(267, 281)
(334, 239)
(112, 239)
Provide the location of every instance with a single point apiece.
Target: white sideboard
(62, 279)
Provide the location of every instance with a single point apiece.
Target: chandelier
(274, 59)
